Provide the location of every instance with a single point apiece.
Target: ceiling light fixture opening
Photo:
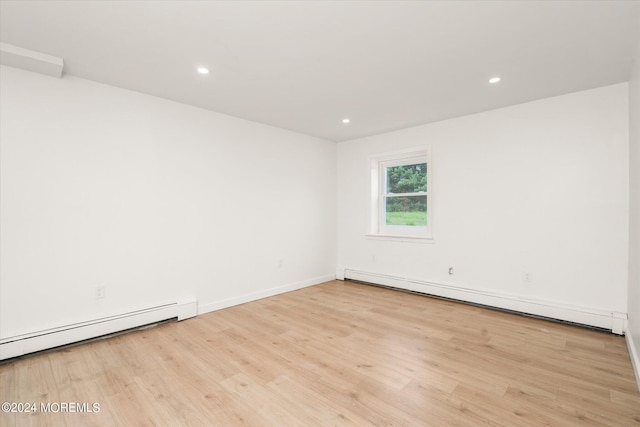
(203, 70)
(494, 80)
(345, 121)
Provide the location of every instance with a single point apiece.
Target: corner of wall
(633, 328)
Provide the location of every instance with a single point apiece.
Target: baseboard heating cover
(614, 321)
(49, 338)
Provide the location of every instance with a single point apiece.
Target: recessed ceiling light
(345, 121)
(494, 80)
(203, 70)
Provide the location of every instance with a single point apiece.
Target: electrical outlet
(527, 277)
(101, 292)
(451, 271)
(280, 263)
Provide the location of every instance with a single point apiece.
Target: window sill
(400, 238)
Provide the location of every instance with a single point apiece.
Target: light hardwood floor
(339, 353)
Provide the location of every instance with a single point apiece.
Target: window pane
(410, 210)
(407, 178)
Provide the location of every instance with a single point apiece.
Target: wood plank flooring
(336, 354)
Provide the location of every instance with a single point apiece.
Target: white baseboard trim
(614, 321)
(19, 345)
(635, 357)
(230, 302)
(31, 342)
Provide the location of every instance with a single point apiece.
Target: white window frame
(379, 164)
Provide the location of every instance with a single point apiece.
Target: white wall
(539, 187)
(633, 332)
(154, 200)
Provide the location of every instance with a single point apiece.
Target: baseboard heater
(49, 338)
(608, 320)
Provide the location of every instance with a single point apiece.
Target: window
(401, 204)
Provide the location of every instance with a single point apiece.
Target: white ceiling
(305, 65)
